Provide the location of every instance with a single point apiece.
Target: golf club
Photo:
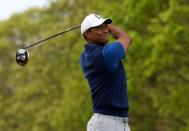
(22, 55)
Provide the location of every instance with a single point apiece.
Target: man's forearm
(120, 35)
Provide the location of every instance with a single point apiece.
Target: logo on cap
(98, 16)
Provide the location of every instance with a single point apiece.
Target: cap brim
(108, 21)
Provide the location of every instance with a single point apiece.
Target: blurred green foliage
(51, 94)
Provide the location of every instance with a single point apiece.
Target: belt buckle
(120, 119)
(124, 120)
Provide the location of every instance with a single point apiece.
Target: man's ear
(88, 35)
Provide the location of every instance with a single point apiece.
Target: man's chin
(103, 42)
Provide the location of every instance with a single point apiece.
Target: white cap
(93, 20)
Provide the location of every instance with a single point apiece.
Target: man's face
(98, 34)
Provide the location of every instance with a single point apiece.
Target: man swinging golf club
(103, 68)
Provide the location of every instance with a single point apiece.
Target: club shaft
(36, 43)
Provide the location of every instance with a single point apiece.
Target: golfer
(103, 68)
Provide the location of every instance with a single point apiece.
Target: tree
(50, 92)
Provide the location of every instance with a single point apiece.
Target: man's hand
(120, 36)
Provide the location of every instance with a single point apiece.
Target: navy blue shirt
(105, 73)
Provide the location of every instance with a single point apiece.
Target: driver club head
(22, 57)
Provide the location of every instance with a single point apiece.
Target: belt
(123, 119)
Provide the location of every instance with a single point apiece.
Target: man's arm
(120, 36)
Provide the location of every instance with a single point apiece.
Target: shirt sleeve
(112, 54)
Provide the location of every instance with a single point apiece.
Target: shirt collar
(92, 45)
